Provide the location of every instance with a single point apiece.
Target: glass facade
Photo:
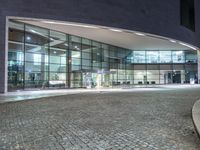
(45, 59)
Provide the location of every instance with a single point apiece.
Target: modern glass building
(98, 44)
(41, 58)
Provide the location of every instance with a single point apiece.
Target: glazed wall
(158, 17)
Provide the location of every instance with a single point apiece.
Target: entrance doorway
(176, 77)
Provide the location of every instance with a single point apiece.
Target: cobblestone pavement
(148, 120)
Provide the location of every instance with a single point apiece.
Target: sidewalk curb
(196, 117)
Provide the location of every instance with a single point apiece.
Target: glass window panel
(96, 64)
(39, 49)
(105, 65)
(86, 55)
(178, 56)
(36, 35)
(76, 61)
(153, 75)
(75, 43)
(121, 66)
(166, 76)
(114, 60)
(97, 51)
(16, 31)
(35, 77)
(58, 60)
(191, 56)
(105, 52)
(76, 54)
(13, 56)
(86, 62)
(139, 57)
(122, 53)
(129, 71)
(152, 56)
(113, 66)
(57, 36)
(140, 77)
(54, 76)
(86, 68)
(86, 45)
(36, 58)
(165, 57)
(15, 47)
(75, 67)
(96, 57)
(57, 68)
(35, 66)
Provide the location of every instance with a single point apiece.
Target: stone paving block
(102, 121)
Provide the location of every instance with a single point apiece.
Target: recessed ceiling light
(187, 45)
(33, 31)
(140, 34)
(115, 30)
(71, 24)
(76, 47)
(28, 38)
(54, 52)
(173, 41)
(179, 52)
(66, 44)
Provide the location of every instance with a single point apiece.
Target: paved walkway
(29, 95)
(150, 119)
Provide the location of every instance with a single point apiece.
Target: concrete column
(3, 55)
(198, 67)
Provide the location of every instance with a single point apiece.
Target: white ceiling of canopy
(117, 37)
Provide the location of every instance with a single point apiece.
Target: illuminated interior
(42, 58)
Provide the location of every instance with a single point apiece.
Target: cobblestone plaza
(156, 119)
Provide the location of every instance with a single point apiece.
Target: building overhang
(134, 40)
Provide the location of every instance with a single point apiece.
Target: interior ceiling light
(115, 30)
(179, 52)
(33, 31)
(66, 44)
(140, 34)
(28, 38)
(70, 24)
(187, 45)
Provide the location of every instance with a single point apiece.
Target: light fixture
(28, 38)
(187, 45)
(179, 52)
(115, 30)
(173, 41)
(140, 34)
(33, 31)
(66, 44)
(76, 47)
(54, 52)
(71, 24)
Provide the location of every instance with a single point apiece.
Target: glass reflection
(43, 58)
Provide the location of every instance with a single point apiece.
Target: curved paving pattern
(152, 120)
